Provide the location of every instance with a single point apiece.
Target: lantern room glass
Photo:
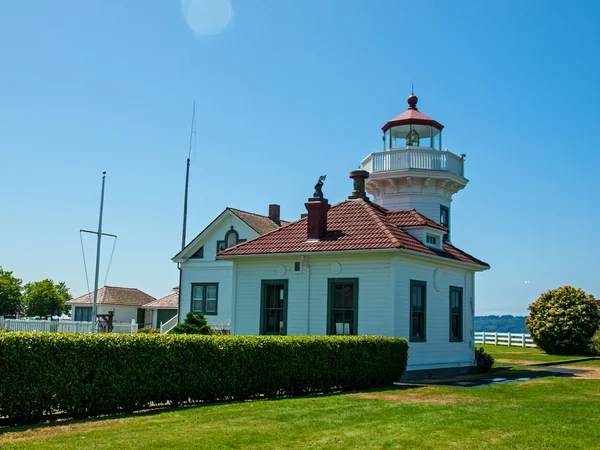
(412, 136)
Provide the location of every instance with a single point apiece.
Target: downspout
(233, 297)
(303, 262)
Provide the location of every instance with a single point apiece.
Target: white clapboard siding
(383, 300)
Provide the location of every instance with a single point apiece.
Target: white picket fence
(506, 339)
(61, 326)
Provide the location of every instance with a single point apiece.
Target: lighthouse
(412, 171)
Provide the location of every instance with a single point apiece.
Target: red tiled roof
(113, 295)
(168, 301)
(260, 224)
(352, 225)
(412, 218)
(412, 116)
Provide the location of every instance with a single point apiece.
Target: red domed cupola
(412, 128)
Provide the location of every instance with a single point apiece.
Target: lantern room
(412, 128)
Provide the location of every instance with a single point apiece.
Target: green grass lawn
(552, 412)
(522, 355)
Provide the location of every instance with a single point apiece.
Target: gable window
(205, 297)
(445, 220)
(273, 318)
(432, 240)
(456, 314)
(342, 302)
(418, 304)
(231, 239)
(82, 314)
(199, 253)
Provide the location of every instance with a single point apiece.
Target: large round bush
(563, 320)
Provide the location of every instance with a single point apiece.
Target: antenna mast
(187, 175)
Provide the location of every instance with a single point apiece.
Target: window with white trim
(205, 297)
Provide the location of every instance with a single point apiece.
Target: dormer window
(231, 239)
(432, 240)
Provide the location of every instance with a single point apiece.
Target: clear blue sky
(290, 90)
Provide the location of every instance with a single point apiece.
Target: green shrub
(87, 375)
(148, 330)
(193, 324)
(595, 345)
(563, 321)
(484, 360)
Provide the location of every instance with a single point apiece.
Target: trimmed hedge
(83, 375)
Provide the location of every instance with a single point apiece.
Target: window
(342, 301)
(431, 239)
(418, 303)
(83, 314)
(445, 220)
(205, 298)
(456, 314)
(231, 238)
(199, 253)
(273, 319)
(297, 266)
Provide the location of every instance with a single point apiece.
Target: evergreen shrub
(595, 346)
(194, 323)
(484, 360)
(84, 375)
(563, 321)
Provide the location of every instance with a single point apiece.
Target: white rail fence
(61, 326)
(168, 325)
(506, 339)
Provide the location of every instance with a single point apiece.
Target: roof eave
(476, 267)
(411, 121)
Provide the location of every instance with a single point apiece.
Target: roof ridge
(268, 233)
(368, 207)
(256, 214)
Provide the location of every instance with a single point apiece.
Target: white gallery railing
(506, 339)
(414, 158)
(61, 326)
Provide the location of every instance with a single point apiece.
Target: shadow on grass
(60, 419)
(499, 375)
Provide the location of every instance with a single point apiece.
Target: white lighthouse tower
(412, 171)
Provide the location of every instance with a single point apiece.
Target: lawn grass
(552, 412)
(522, 355)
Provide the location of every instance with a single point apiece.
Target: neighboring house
(162, 310)
(126, 304)
(205, 282)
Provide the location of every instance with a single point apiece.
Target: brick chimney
(359, 177)
(274, 211)
(317, 207)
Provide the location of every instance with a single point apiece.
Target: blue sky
(290, 90)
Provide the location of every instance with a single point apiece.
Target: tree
(563, 320)
(45, 299)
(10, 293)
(193, 324)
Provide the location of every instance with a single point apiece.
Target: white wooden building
(205, 281)
(385, 266)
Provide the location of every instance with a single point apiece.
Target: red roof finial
(412, 102)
